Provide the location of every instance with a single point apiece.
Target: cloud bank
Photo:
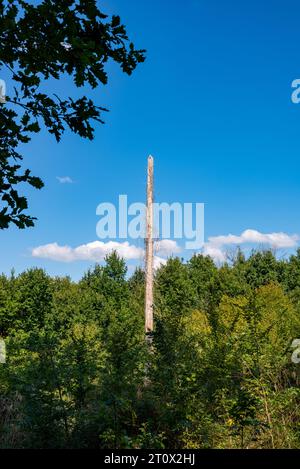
(96, 251)
(216, 245)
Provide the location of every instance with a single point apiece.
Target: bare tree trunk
(149, 251)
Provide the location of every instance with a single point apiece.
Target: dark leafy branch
(51, 40)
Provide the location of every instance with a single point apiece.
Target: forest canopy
(219, 373)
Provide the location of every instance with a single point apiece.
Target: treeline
(219, 374)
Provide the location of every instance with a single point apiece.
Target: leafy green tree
(42, 42)
(261, 269)
(218, 374)
(202, 271)
(34, 296)
(174, 301)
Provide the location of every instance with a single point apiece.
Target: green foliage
(51, 40)
(218, 374)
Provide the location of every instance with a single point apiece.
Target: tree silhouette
(51, 40)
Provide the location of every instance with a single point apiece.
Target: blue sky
(212, 103)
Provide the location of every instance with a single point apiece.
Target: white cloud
(214, 252)
(65, 179)
(53, 251)
(95, 251)
(166, 247)
(276, 240)
(158, 262)
(215, 245)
